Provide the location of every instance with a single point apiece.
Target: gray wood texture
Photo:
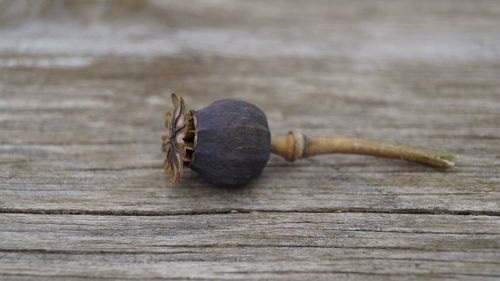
(84, 86)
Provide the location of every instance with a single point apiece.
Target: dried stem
(295, 146)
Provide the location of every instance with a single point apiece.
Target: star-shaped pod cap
(173, 142)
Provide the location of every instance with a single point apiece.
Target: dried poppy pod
(229, 142)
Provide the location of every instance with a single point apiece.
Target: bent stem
(295, 146)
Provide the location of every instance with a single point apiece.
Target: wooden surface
(84, 86)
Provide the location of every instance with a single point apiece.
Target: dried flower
(229, 142)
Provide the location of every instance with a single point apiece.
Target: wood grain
(84, 86)
(251, 246)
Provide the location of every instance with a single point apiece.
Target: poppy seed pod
(232, 142)
(228, 142)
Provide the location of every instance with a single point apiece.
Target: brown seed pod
(228, 143)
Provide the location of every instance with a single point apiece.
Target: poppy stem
(295, 146)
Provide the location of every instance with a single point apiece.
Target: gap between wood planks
(433, 275)
(416, 211)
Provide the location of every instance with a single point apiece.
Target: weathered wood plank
(142, 190)
(85, 150)
(84, 86)
(257, 245)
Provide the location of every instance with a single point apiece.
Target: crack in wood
(434, 211)
(233, 246)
